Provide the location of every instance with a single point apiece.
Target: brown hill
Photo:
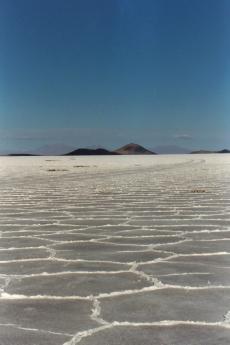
(134, 149)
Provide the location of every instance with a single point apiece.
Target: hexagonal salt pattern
(115, 250)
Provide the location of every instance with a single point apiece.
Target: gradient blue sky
(107, 72)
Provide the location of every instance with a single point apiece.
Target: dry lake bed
(121, 250)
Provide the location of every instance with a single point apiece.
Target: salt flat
(115, 250)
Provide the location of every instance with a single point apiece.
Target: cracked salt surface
(119, 251)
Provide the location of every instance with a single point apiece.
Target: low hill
(202, 152)
(224, 151)
(91, 152)
(134, 149)
(206, 151)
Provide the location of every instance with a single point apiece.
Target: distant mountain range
(206, 151)
(129, 149)
(21, 154)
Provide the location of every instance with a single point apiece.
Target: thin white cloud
(183, 136)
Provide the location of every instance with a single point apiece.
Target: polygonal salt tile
(75, 284)
(160, 335)
(62, 316)
(209, 304)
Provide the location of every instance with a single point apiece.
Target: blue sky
(107, 72)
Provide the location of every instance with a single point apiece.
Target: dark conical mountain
(134, 149)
